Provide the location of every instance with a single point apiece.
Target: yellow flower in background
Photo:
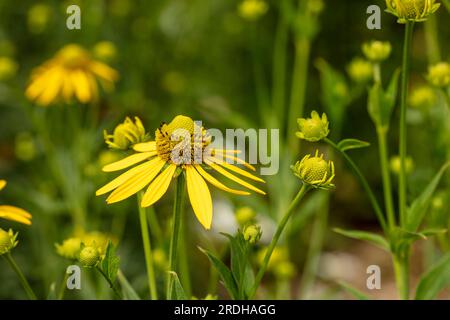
(252, 9)
(395, 163)
(105, 51)
(279, 255)
(314, 128)
(71, 73)
(164, 158)
(8, 68)
(439, 74)
(315, 171)
(70, 248)
(423, 98)
(245, 215)
(411, 10)
(377, 51)
(13, 213)
(360, 70)
(126, 134)
(38, 17)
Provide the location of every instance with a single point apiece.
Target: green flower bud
(252, 233)
(315, 171)
(411, 10)
(376, 51)
(8, 241)
(126, 134)
(360, 70)
(89, 257)
(423, 98)
(245, 215)
(395, 162)
(439, 74)
(314, 128)
(252, 9)
(69, 249)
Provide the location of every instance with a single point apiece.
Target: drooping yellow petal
(137, 182)
(52, 87)
(236, 169)
(145, 146)
(2, 184)
(128, 161)
(15, 210)
(232, 177)
(199, 196)
(238, 160)
(93, 86)
(218, 184)
(103, 71)
(37, 85)
(159, 186)
(15, 214)
(67, 88)
(81, 85)
(125, 176)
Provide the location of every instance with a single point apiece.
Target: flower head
(252, 233)
(376, 51)
(314, 128)
(89, 256)
(8, 241)
(245, 215)
(70, 73)
(411, 10)
(13, 213)
(252, 9)
(315, 171)
(126, 134)
(423, 98)
(439, 74)
(69, 248)
(179, 146)
(360, 70)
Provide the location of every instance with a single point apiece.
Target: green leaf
(348, 144)
(127, 290)
(373, 238)
(110, 263)
(353, 291)
(180, 294)
(434, 280)
(418, 209)
(52, 292)
(432, 232)
(224, 272)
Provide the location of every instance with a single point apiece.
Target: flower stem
(364, 183)
(62, 289)
(177, 214)
(112, 286)
(146, 241)
(404, 95)
(304, 189)
(401, 270)
(8, 257)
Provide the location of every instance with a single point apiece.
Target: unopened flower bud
(411, 10)
(252, 233)
(314, 128)
(89, 257)
(439, 74)
(376, 51)
(315, 171)
(8, 241)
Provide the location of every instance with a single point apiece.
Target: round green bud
(252, 233)
(395, 163)
(7, 241)
(360, 70)
(439, 74)
(423, 98)
(245, 215)
(376, 51)
(315, 171)
(314, 128)
(89, 257)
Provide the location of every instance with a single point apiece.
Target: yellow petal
(145, 146)
(15, 214)
(2, 184)
(137, 182)
(218, 184)
(159, 186)
(128, 161)
(93, 86)
(51, 88)
(232, 177)
(238, 160)
(199, 196)
(81, 85)
(103, 71)
(236, 169)
(16, 210)
(67, 88)
(125, 176)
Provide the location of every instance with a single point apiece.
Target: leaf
(52, 292)
(353, 291)
(127, 289)
(110, 263)
(180, 294)
(418, 209)
(434, 280)
(224, 272)
(432, 232)
(348, 144)
(373, 238)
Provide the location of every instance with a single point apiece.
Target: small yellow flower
(360, 70)
(8, 241)
(411, 10)
(105, 51)
(252, 233)
(126, 134)
(69, 248)
(89, 257)
(13, 213)
(245, 215)
(70, 73)
(394, 164)
(252, 9)
(439, 74)
(164, 158)
(376, 51)
(423, 98)
(314, 128)
(315, 171)
(8, 68)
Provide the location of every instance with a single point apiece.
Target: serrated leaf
(110, 263)
(348, 144)
(180, 294)
(434, 280)
(224, 272)
(373, 238)
(418, 209)
(353, 291)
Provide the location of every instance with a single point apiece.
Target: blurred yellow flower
(105, 51)
(70, 73)
(89, 256)
(8, 68)
(13, 213)
(69, 248)
(423, 98)
(394, 164)
(439, 74)
(314, 128)
(38, 17)
(360, 70)
(126, 134)
(165, 159)
(284, 270)
(411, 10)
(25, 148)
(245, 215)
(315, 171)
(376, 51)
(252, 9)
(279, 255)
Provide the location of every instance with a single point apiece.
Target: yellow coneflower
(70, 73)
(164, 159)
(13, 213)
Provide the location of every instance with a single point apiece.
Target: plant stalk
(31, 295)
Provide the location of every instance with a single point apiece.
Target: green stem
(111, 285)
(184, 261)
(8, 257)
(62, 289)
(403, 134)
(304, 189)
(176, 224)
(446, 97)
(387, 186)
(401, 270)
(364, 183)
(147, 249)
